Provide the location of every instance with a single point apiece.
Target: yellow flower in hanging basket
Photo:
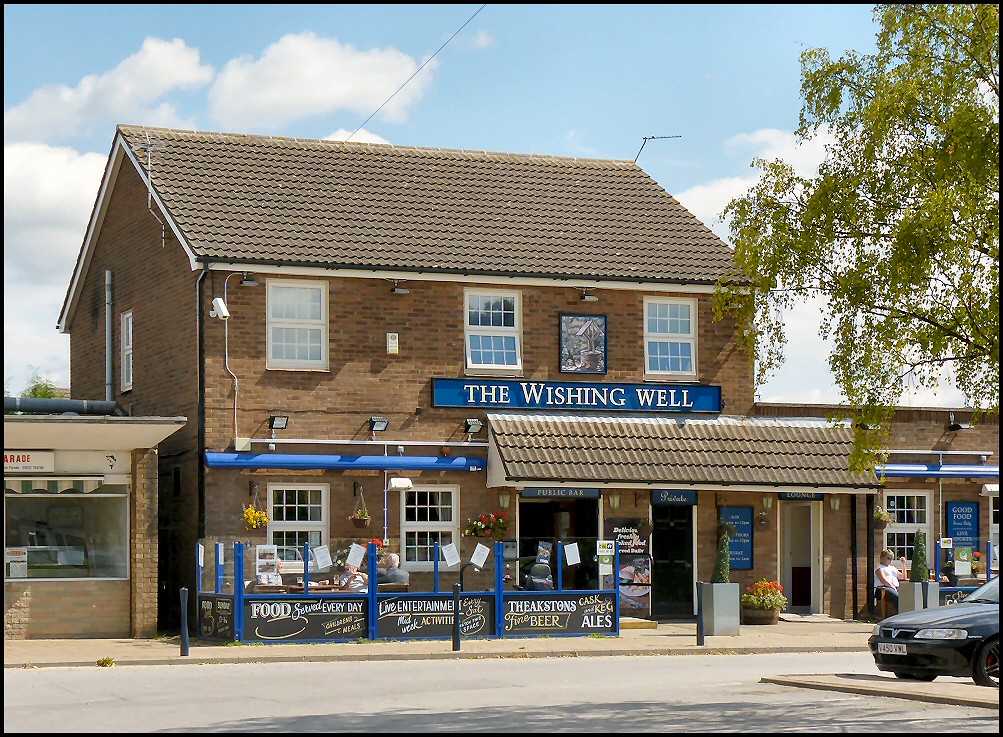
(254, 518)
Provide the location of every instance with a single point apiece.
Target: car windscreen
(988, 593)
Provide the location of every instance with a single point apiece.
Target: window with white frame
(910, 512)
(492, 330)
(994, 529)
(670, 337)
(126, 351)
(297, 325)
(297, 514)
(428, 515)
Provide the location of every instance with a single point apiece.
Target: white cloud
(480, 40)
(304, 75)
(48, 196)
(363, 136)
(129, 93)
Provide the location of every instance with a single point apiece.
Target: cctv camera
(219, 309)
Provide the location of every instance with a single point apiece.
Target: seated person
(393, 572)
(886, 577)
(354, 580)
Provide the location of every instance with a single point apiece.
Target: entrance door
(800, 556)
(567, 521)
(672, 565)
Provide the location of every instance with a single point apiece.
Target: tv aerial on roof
(650, 138)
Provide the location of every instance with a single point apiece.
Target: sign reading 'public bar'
(508, 394)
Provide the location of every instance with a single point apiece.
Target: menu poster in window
(480, 556)
(16, 562)
(739, 518)
(571, 555)
(450, 555)
(355, 555)
(266, 559)
(543, 550)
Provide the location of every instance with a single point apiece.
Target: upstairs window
(670, 338)
(297, 325)
(126, 379)
(493, 327)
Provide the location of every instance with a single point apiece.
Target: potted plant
(762, 602)
(254, 518)
(360, 518)
(720, 597)
(494, 524)
(919, 592)
(881, 517)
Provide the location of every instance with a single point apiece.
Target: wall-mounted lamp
(834, 502)
(504, 498)
(767, 503)
(614, 499)
(398, 289)
(400, 483)
(473, 425)
(587, 296)
(248, 280)
(278, 422)
(378, 424)
(955, 426)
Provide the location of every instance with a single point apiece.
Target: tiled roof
(351, 205)
(725, 451)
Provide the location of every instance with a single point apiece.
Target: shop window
(66, 528)
(298, 514)
(429, 517)
(493, 327)
(297, 325)
(670, 338)
(126, 351)
(910, 511)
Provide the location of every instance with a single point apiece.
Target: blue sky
(585, 81)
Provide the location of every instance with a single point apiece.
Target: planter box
(911, 596)
(721, 608)
(760, 616)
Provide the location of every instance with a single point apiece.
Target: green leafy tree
(40, 388)
(919, 571)
(899, 229)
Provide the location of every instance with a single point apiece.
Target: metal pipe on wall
(109, 389)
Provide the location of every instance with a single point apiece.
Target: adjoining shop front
(665, 482)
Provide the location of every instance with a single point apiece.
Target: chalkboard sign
(963, 524)
(216, 614)
(741, 542)
(344, 617)
(554, 613)
(411, 617)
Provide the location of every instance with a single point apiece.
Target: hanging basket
(361, 521)
(360, 516)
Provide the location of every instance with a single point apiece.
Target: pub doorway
(567, 521)
(672, 571)
(801, 555)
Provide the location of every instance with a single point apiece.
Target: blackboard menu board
(554, 613)
(431, 616)
(313, 619)
(741, 542)
(216, 617)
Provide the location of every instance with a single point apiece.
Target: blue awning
(297, 461)
(936, 471)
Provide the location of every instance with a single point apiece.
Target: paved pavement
(637, 637)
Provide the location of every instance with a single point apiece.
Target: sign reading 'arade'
(575, 395)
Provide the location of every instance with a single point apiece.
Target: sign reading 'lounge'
(505, 394)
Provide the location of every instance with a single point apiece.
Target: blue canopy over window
(299, 461)
(936, 471)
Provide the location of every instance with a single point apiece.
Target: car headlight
(935, 633)
(877, 630)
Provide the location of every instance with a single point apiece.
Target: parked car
(958, 640)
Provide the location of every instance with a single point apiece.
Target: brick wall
(61, 609)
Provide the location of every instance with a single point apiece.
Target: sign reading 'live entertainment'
(424, 616)
(502, 393)
(554, 613)
(216, 617)
(325, 618)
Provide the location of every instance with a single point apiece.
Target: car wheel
(986, 669)
(925, 677)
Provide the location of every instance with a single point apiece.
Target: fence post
(700, 628)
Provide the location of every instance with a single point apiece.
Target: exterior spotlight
(399, 483)
(398, 289)
(955, 426)
(378, 424)
(278, 422)
(473, 425)
(248, 280)
(586, 297)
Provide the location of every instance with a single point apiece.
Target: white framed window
(670, 337)
(126, 357)
(297, 325)
(910, 512)
(298, 513)
(493, 331)
(428, 516)
(994, 529)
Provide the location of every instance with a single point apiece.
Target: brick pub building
(524, 333)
